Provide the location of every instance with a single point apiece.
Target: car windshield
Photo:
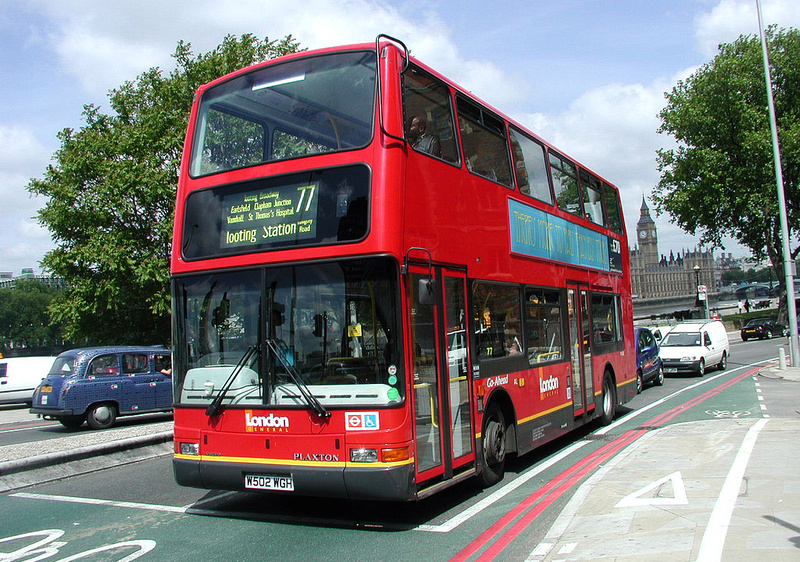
(757, 322)
(331, 329)
(306, 106)
(682, 339)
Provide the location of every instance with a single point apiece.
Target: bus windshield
(307, 106)
(330, 329)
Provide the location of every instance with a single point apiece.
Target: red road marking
(554, 489)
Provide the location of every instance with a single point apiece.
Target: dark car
(648, 361)
(763, 329)
(95, 385)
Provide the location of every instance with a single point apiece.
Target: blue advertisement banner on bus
(539, 234)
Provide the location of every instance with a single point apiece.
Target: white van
(19, 377)
(659, 331)
(694, 346)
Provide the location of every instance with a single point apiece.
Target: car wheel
(723, 362)
(659, 380)
(701, 368)
(101, 416)
(768, 335)
(608, 401)
(744, 338)
(71, 422)
(639, 382)
(493, 440)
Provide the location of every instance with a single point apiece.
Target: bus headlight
(386, 455)
(363, 455)
(190, 448)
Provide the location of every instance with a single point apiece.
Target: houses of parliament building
(661, 278)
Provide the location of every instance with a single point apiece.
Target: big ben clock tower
(647, 236)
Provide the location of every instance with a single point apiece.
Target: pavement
(734, 496)
(79, 452)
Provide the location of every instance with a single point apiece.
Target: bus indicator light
(395, 455)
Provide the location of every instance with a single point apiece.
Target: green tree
(720, 180)
(111, 194)
(24, 320)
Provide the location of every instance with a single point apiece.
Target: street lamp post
(696, 269)
(701, 295)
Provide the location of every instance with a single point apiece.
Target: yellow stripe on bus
(287, 462)
(544, 413)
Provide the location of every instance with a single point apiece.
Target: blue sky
(588, 75)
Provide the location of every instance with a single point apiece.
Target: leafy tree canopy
(23, 315)
(720, 180)
(111, 193)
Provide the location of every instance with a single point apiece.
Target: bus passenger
(422, 141)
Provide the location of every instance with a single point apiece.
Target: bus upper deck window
(429, 116)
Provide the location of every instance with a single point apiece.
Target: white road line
(714, 537)
(17, 429)
(94, 501)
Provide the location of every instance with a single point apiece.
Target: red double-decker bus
(382, 286)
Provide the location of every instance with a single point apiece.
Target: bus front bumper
(352, 482)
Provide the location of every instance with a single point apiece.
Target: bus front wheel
(493, 440)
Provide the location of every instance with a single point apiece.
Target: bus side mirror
(427, 291)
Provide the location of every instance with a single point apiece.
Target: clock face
(642, 234)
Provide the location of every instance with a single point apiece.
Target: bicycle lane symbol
(728, 414)
(48, 546)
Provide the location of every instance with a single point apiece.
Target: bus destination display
(272, 215)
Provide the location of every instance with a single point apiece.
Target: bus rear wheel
(609, 401)
(493, 442)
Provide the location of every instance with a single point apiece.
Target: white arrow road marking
(638, 498)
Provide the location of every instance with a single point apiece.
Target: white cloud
(729, 19)
(23, 157)
(612, 130)
(116, 41)
(21, 150)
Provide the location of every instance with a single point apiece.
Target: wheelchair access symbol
(362, 421)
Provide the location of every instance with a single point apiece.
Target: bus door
(441, 371)
(580, 349)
